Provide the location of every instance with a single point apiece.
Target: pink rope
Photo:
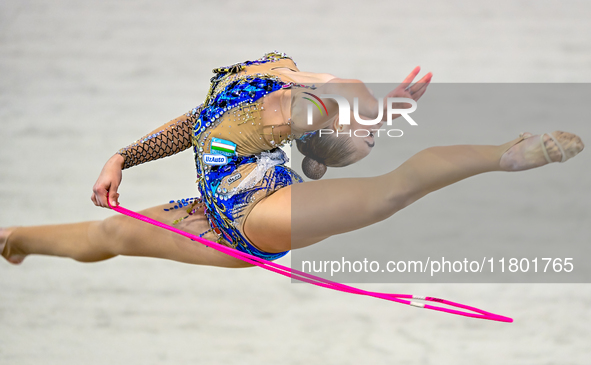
(315, 280)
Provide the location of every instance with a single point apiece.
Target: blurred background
(79, 80)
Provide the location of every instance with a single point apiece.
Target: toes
(16, 260)
(3, 239)
(525, 153)
(569, 143)
(5, 250)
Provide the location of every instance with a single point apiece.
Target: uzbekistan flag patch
(222, 147)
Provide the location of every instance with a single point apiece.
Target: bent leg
(119, 235)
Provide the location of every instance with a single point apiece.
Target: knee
(110, 234)
(112, 225)
(95, 247)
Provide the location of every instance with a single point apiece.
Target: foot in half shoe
(535, 151)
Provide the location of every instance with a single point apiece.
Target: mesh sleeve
(170, 139)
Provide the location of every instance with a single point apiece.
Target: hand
(406, 90)
(108, 182)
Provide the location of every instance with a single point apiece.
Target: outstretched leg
(117, 235)
(320, 209)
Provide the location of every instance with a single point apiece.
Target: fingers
(407, 81)
(419, 88)
(426, 78)
(100, 197)
(113, 196)
(105, 189)
(416, 96)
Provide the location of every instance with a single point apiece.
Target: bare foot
(529, 152)
(11, 254)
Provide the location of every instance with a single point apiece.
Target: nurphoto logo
(345, 118)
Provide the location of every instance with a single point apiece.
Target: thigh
(131, 237)
(268, 225)
(303, 214)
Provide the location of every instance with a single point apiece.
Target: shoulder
(323, 77)
(312, 77)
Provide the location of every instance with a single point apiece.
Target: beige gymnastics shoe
(531, 152)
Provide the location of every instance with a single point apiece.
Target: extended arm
(169, 139)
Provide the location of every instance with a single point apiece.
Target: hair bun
(313, 169)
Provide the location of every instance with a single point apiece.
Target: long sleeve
(171, 138)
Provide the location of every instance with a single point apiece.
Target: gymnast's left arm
(167, 140)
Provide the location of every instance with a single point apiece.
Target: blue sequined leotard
(236, 140)
(235, 171)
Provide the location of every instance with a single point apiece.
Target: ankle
(505, 153)
(507, 146)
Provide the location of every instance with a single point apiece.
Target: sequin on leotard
(231, 190)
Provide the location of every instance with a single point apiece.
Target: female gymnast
(245, 189)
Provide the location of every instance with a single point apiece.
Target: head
(346, 145)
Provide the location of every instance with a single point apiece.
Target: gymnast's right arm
(169, 139)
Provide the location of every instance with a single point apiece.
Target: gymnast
(252, 109)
